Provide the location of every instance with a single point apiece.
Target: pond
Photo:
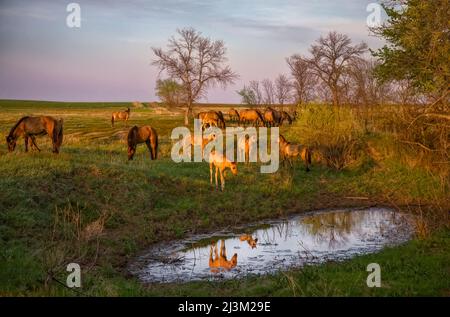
(271, 246)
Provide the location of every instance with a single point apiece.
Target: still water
(267, 247)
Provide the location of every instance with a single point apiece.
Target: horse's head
(11, 141)
(233, 168)
(131, 151)
(234, 260)
(253, 242)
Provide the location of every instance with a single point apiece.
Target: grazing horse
(221, 163)
(143, 134)
(251, 242)
(234, 115)
(289, 151)
(272, 117)
(215, 117)
(251, 116)
(29, 127)
(285, 117)
(122, 115)
(220, 261)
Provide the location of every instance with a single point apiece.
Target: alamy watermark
(374, 278)
(73, 19)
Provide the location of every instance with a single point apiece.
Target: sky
(109, 57)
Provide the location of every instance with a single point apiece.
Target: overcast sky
(109, 57)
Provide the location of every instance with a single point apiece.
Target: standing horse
(221, 163)
(122, 115)
(285, 117)
(29, 127)
(272, 117)
(289, 151)
(233, 115)
(143, 134)
(212, 116)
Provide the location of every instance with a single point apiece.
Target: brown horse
(221, 163)
(272, 117)
(220, 261)
(233, 114)
(212, 117)
(29, 127)
(251, 116)
(289, 151)
(143, 134)
(285, 117)
(122, 115)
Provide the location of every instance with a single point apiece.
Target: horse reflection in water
(218, 261)
(251, 242)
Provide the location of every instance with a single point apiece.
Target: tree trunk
(188, 113)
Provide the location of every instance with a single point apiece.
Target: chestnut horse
(30, 127)
(251, 116)
(289, 151)
(212, 117)
(143, 134)
(251, 242)
(123, 115)
(233, 114)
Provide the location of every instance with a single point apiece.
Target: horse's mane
(16, 125)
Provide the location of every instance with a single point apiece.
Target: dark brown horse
(285, 117)
(272, 117)
(140, 135)
(30, 127)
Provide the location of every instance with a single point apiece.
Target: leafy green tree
(418, 48)
(169, 91)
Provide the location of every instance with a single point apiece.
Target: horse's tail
(308, 155)
(112, 120)
(156, 146)
(59, 132)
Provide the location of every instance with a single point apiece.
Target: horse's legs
(210, 172)
(26, 142)
(149, 148)
(222, 180)
(217, 172)
(223, 251)
(33, 142)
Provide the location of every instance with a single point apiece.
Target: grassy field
(91, 206)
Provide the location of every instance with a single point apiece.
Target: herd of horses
(29, 127)
(268, 117)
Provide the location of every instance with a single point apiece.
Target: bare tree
(269, 91)
(252, 94)
(303, 79)
(331, 57)
(195, 61)
(282, 89)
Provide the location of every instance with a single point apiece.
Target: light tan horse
(251, 116)
(30, 127)
(221, 163)
(212, 117)
(145, 135)
(251, 242)
(290, 151)
(220, 261)
(120, 115)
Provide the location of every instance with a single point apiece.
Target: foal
(221, 163)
